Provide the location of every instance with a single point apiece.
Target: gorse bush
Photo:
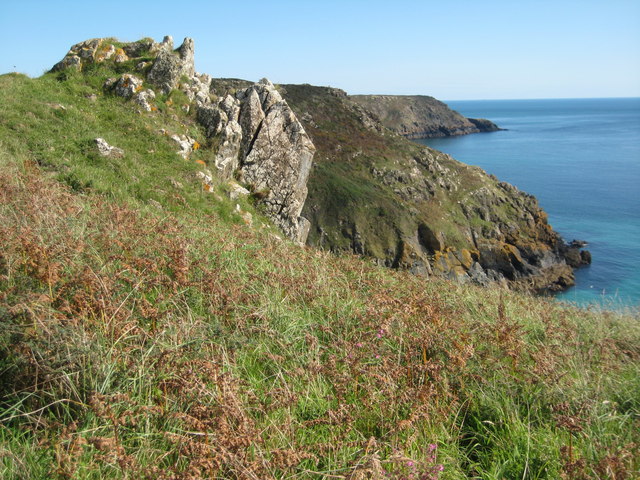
(179, 343)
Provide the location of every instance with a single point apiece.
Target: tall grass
(179, 343)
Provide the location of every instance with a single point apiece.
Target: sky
(452, 50)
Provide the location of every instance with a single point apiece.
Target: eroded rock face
(413, 208)
(262, 140)
(169, 66)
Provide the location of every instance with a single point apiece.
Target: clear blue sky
(451, 49)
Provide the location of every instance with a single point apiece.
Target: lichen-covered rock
(185, 143)
(78, 54)
(144, 99)
(120, 56)
(227, 160)
(197, 89)
(105, 52)
(84, 53)
(169, 67)
(251, 117)
(166, 45)
(261, 138)
(126, 86)
(278, 164)
(130, 87)
(236, 191)
(106, 150)
(139, 48)
(207, 180)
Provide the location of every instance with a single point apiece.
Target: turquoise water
(581, 159)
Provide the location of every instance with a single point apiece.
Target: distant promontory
(421, 116)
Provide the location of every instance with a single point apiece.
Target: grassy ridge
(178, 343)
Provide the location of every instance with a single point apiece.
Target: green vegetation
(179, 343)
(362, 169)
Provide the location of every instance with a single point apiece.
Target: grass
(180, 343)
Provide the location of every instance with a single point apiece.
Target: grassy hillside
(147, 332)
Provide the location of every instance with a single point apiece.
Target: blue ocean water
(581, 159)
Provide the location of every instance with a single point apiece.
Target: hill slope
(149, 329)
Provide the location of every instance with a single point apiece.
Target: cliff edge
(375, 193)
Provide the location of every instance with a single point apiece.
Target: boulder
(106, 150)
(126, 86)
(144, 98)
(185, 143)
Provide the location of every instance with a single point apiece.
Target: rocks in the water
(575, 255)
(106, 150)
(577, 243)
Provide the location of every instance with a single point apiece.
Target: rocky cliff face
(262, 140)
(421, 116)
(369, 191)
(377, 194)
(259, 139)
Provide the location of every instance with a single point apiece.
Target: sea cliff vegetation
(154, 324)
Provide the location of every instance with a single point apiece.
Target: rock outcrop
(421, 116)
(259, 139)
(263, 143)
(106, 150)
(130, 87)
(169, 67)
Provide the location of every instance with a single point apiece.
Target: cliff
(369, 191)
(252, 135)
(378, 194)
(419, 116)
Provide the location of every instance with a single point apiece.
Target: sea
(581, 159)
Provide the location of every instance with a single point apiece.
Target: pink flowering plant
(407, 469)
